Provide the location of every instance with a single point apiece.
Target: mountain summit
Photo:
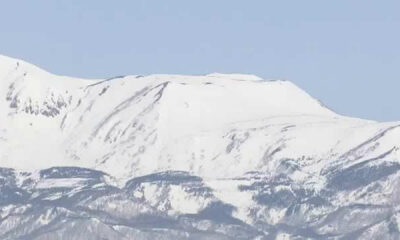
(218, 156)
(133, 125)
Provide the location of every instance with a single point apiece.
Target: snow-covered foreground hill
(220, 156)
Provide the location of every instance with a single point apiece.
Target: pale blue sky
(343, 52)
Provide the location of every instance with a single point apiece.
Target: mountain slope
(227, 150)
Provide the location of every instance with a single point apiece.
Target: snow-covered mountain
(219, 156)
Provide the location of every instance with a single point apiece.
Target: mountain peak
(255, 158)
(135, 114)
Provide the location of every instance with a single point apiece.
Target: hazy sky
(344, 52)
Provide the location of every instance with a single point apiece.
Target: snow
(183, 203)
(215, 126)
(227, 190)
(258, 151)
(60, 183)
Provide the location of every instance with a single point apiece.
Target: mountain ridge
(60, 100)
(218, 156)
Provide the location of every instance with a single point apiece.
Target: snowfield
(218, 156)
